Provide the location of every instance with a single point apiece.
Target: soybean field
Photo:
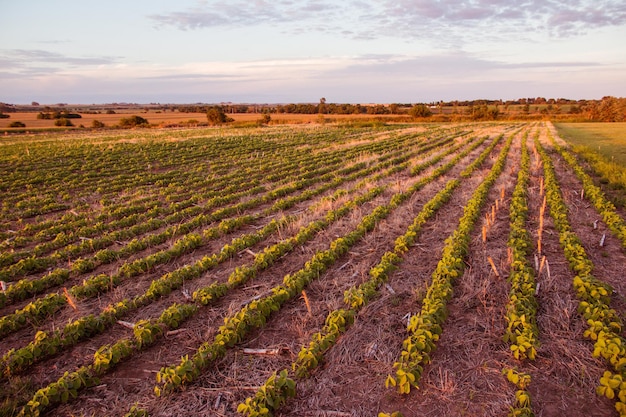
(313, 270)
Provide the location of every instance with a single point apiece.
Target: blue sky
(350, 51)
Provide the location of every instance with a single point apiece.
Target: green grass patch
(608, 139)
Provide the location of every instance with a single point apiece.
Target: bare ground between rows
(565, 374)
(368, 395)
(152, 250)
(137, 286)
(295, 325)
(464, 376)
(352, 379)
(197, 332)
(609, 260)
(353, 375)
(213, 316)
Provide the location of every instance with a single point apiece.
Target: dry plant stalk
(541, 186)
(306, 302)
(539, 245)
(484, 233)
(69, 299)
(493, 266)
(542, 211)
(126, 324)
(271, 351)
(541, 265)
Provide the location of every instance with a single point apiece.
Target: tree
(265, 120)
(216, 116)
(322, 106)
(420, 110)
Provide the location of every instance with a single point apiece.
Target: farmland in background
(311, 270)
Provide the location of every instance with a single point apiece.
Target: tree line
(607, 109)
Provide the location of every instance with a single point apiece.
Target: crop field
(471, 269)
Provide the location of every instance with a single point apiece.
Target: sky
(298, 51)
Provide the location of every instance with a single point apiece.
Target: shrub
(97, 124)
(17, 124)
(133, 121)
(4, 116)
(63, 122)
(420, 110)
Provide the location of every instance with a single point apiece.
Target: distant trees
(378, 109)
(609, 109)
(483, 112)
(58, 115)
(7, 108)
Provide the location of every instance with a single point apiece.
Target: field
(310, 270)
(609, 139)
(165, 119)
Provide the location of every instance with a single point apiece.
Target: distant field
(609, 139)
(168, 118)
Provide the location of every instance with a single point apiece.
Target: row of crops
(138, 270)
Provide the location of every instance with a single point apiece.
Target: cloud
(242, 13)
(413, 19)
(557, 17)
(38, 55)
(32, 62)
(28, 60)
